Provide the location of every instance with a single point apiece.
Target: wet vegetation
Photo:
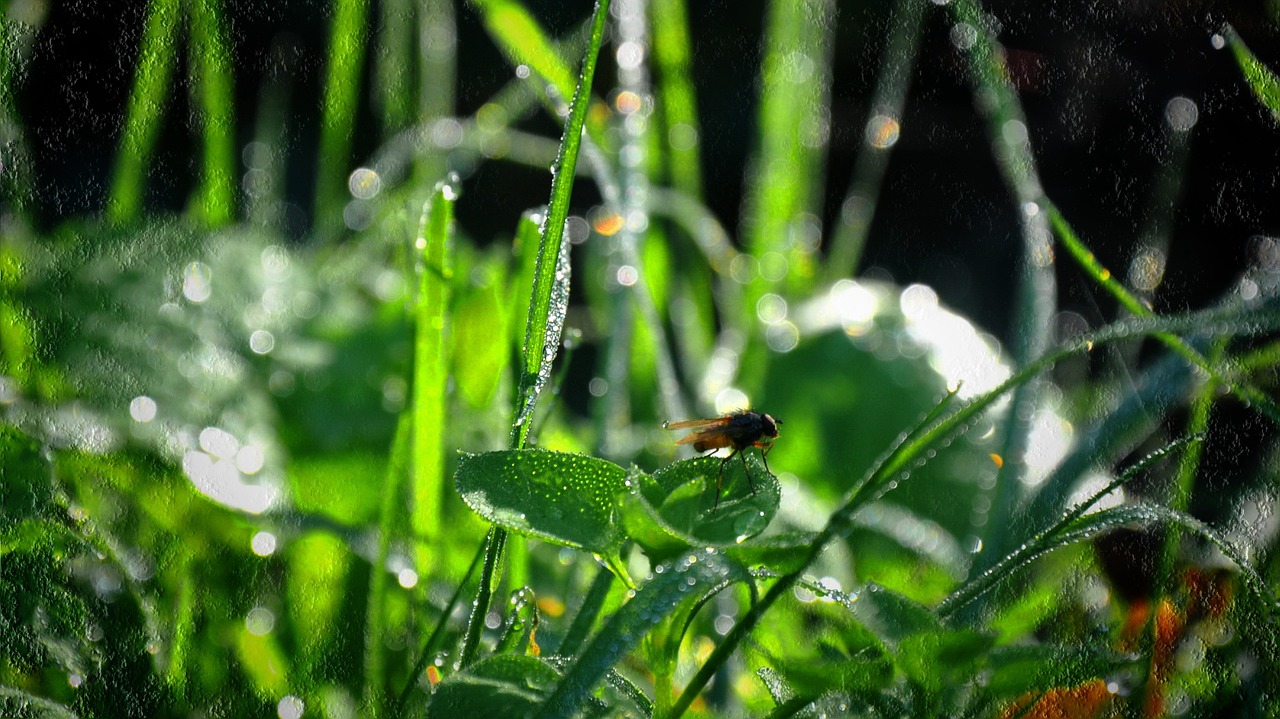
(311, 413)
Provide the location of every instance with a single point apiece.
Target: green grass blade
(676, 99)
(785, 179)
(550, 279)
(215, 201)
(540, 347)
(375, 637)
(431, 367)
(523, 41)
(694, 575)
(1263, 82)
(147, 101)
(850, 233)
(341, 100)
(395, 99)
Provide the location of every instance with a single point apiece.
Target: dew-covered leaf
(676, 508)
(504, 685)
(560, 497)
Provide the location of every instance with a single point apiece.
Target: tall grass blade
(784, 183)
(145, 113)
(338, 113)
(211, 59)
(672, 53)
(431, 367)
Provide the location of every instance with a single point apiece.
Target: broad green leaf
(1263, 82)
(560, 497)
(504, 685)
(676, 508)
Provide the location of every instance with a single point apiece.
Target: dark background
(1094, 78)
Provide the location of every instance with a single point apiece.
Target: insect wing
(696, 423)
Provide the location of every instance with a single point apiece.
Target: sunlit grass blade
(540, 347)
(338, 113)
(785, 176)
(1035, 299)
(431, 366)
(211, 59)
(585, 618)
(147, 102)
(849, 236)
(1261, 80)
(523, 41)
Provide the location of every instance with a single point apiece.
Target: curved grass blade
(1263, 82)
(691, 576)
(1046, 540)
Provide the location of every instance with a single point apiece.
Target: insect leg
(750, 482)
(764, 456)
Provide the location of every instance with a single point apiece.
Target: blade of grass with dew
(1261, 80)
(145, 113)
(1044, 541)
(431, 368)
(691, 576)
(436, 639)
(547, 305)
(785, 177)
(375, 633)
(549, 300)
(1035, 303)
(1244, 390)
(494, 546)
(211, 60)
(338, 113)
(677, 101)
(882, 129)
(912, 446)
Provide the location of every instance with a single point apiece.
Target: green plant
(219, 451)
